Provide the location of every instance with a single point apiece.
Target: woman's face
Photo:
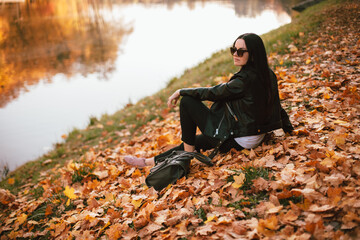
(240, 61)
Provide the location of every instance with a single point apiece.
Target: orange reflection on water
(40, 39)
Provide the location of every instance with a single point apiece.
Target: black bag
(172, 168)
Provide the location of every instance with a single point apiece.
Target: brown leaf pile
(312, 189)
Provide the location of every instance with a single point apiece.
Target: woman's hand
(172, 100)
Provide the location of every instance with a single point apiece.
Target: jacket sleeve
(234, 89)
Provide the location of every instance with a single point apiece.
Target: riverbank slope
(303, 186)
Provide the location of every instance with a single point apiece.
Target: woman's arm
(172, 100)
(233, 89)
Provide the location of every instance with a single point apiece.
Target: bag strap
(216, 150)
(207, 159)
(201, 157)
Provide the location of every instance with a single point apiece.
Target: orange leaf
(282, 95)
(136, 173)
(163, 140)
(271, 223)
(11, 181)
(290, 216)
(48, 210)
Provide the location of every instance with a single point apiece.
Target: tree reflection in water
(42, 38)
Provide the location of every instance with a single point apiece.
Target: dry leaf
(239, 180)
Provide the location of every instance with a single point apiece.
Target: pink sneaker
(134, 161)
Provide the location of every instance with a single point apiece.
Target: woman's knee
(187, 101)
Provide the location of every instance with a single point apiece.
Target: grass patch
(251, 173)
(81, 171)
(286, 63)
(252, 197)
(293, 199)
(249, 202)
(200, 213)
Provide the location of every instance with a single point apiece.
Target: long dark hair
(258, 60)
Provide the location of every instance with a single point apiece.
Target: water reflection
(40, 39)
(53, 54)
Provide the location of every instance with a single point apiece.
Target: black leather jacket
(240, 108)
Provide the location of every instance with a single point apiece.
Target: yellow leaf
(292, 79)
(105, 226)
(269, 223)
(22, 218)
(245, 151)
(195, 200)
(136, 203)
(308, 61)
(11, 181)
(68, 202)
(239, 180)
(69, 192)
(326, 96)
(211, 218)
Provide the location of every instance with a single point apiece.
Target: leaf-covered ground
(304, 186)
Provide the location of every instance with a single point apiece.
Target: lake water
(62, 62)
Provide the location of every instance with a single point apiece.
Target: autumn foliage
(303, 186)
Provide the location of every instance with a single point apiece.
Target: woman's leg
(193, 114)
(228, 145)
(202, 142)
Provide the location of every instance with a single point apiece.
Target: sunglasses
(240, 52)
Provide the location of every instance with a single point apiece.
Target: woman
(244, 109)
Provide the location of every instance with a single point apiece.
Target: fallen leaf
(101, 174)
(22, 218)
(239, 180)
(6, 197)
(69, 192)
(11, 181)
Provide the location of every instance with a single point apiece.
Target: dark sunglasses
(240, 52)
